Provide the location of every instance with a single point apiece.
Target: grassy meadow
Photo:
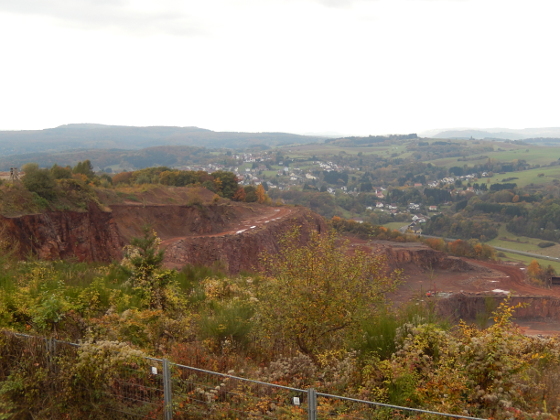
(511, 257)
(530, 176)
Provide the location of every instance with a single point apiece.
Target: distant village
(261, 168)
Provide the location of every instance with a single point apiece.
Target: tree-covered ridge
(223, 183)
(74, 188)
(471, 248)
(460, 228)
(96, 136)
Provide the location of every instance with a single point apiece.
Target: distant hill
(365, 141)
(495, 133)
(120, 159)
(97, 136)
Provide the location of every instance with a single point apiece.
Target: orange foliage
(239, 195)
(123, 177)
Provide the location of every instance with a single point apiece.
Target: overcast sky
(346, 66)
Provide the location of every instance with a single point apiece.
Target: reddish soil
(265, 216)
(233, 235)
(427, 273)
(464, 288)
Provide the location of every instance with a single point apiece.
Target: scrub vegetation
(315, 316)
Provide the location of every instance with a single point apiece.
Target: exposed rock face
(174, 221)
(191, 234)
(420, 255)
(86, 236)
(239, 251)
(467, 306)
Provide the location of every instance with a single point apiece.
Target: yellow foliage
(316, 295)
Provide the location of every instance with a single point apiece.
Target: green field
(508, 240)
(506, 152)
(269, 174)
(395, 225)
(527, 260)
(530, 176)
(326, 151)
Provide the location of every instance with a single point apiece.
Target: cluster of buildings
(448, 180)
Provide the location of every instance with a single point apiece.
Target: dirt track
(267, 215)
(479, 279)
(492, 277)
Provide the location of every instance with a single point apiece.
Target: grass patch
(510, 257)
(505, 152)
(395, 225)
(508, 240)
(516, 258)
(530, 176)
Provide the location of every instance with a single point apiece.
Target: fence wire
(202, 394)
(344, 408)
(126, 387)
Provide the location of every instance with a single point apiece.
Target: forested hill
(497, 133)
(97, 136)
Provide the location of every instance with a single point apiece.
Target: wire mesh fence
(344, 408)
(202, 394)
(97, 380)
(109, 380)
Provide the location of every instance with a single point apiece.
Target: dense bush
(460, 227)
(39, 181)
(222, 183)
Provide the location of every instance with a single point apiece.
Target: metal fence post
(50, 347)
(311, 404)
(167, 397)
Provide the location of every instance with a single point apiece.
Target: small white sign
(154, 370)
(296, 400)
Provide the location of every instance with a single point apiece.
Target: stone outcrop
(467, 306)
(175, 220)
(202, 235)
(235, 251)
(421, 256)
(87, 236)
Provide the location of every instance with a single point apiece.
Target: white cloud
(374, 66)
(146, 17)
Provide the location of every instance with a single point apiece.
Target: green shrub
(39, 181)
(227, 325)
(379, 333)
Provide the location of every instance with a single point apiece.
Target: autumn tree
(261, 194)
(315, 295)
(534, 270)
(250, 194)
(537, 272)
(61, 172)
(227, 183)
(239, 194)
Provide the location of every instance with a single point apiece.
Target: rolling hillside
(97, 136)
